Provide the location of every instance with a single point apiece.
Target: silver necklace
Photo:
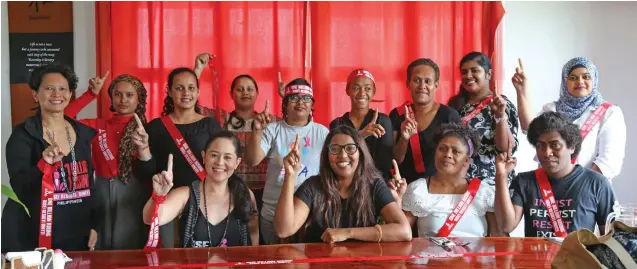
(64, 179)
(205, 208)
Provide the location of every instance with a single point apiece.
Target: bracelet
(159, 199)
(380, 232)
(504, 118)
(143, 148)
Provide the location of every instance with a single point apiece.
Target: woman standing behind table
(274, 140)
(244, 92)
(121, 193)
(218, 211)
(374, 127)
(601, 123)
(49, 161)
(428, 202)
(493, 116)
(181, 128)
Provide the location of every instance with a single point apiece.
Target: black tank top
(195, 233)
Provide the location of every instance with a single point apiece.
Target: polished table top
(479, 253)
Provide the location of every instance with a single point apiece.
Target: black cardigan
(73, 219)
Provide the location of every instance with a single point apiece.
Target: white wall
(548, 34)
(84, 61)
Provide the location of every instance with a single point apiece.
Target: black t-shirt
(584, 197)
(74, 213)
(381, 148)
(161, 144)
(380, 195)
(407, 168)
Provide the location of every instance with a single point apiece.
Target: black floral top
(483, 165)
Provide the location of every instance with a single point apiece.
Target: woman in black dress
(219, 211)
(49, 162)
(188, 128)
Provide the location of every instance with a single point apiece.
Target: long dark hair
(359, 206)
(243, 209)
(169, 105)
(240, 121)
(461, 99)
(286, 99)
(127, 148)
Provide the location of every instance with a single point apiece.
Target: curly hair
(359, 205)
(239, 190)
(422, 61)
(555, 122)
(460, 131)
(459, 100)
(127, 148)
(169, 105)
(38, 73)
(286, 99)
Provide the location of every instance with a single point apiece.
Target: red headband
(298, 89)
(360, 73)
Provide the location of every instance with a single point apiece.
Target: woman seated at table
(227, 214)
(603, 147)
(429, 202)
(348, 183)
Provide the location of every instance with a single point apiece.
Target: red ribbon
(460, 209)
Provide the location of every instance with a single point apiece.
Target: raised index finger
(266, 110)
(279, 77)
(296, 143)
(139, 122)
(520, 64)
(169, 167)
(106, 75)
(396, 170)
(375, 119)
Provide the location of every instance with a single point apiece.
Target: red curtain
(384, 37)
(322, 41)
(149, 39)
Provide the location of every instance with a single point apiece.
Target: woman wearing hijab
(601, 123)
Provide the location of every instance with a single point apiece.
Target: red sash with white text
(183, 147)
(476, 110)
(460, 208)
(46, 204)
(105, 148)
(550, 202)
(414, 140)
(592, 120)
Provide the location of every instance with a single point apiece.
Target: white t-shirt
(605, 144)
(277, 141)
(432, 210)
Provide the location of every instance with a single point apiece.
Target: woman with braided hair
(121, 194)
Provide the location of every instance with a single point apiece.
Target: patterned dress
(483, 165)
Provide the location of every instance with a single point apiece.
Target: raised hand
(397, 184)
(202, 60)
(409, 126)
(95, 84)
(519, 78)
(505, 163)
(140, 137)
(52, 154)
(292, 162)
(264, 118)
(373, 128)
(163, 182)
(498, 106)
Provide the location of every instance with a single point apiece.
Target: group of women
(197, 176)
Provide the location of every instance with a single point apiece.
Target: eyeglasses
(335, 149)
(295, 98)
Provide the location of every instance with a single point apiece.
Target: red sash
(476, 110)
(414, 141)
(183, 147)
(46, 203)
(550, 202)
(153, 232)
(592, 120)
(105, 148)
(460, 208)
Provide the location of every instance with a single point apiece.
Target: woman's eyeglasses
(335, 149)
(305, 98)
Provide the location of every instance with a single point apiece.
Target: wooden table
(531, 253)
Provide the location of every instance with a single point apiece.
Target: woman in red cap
(373, 126)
